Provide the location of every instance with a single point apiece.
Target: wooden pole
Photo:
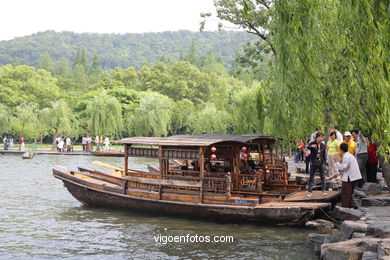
(160, 160)
(126, 155)
(201, 167)
(262, 147)
(236, 168)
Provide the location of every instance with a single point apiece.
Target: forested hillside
(122, 50)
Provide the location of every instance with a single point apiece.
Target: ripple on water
(40, 219)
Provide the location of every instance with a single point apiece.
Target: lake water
(39, 219)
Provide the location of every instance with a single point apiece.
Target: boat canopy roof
(198, 140)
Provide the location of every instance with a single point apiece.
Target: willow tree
(26, 122)
(5, 116)
(247, 110)
(104, 116)
(211, 120)
(183, 113)
(153, 116)
(332, 64)
(58, 119)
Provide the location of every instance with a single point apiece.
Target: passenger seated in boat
(227, 169)
(195, 165)
(209, 167)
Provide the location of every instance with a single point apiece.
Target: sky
(25, 17)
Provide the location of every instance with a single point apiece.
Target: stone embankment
(362, 233)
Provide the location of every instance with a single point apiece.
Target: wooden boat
(223, 177)
(113, 153)
(28, 155)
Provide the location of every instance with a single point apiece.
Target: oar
(108, 166)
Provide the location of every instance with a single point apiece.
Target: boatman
(349, 169)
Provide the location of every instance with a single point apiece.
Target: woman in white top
(107, 143)
(349, 169)
(61, 145)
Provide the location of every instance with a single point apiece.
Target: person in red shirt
(301, 148)
(21, 148)
(372, 163)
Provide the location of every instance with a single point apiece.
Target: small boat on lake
(113, 153)
(220, 177)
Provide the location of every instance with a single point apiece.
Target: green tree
(210, 65)
(248, 110)
(80, 78)
(5, 116)
(81, 59)
(326, 61)
(58, 119)
(211, 120)
(183, 116)
(61, 68)
(26, 122)
(46, 62)
(22, 83)
(153, 116)
(104, 116)
(95, 68)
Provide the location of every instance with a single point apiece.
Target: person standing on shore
(107, 143)
(101, 142)
(4, 142)
(11, 143)
(317, 162)
(89, 143)
(313, 135)
(351, 143)
(339, 136)
(361, 154)
(84, 142)
(349, 168)
(331, 149)
(96, 143)
(61, 145)
(22, 145)
(372, 162)
(301, 148)
(68, 143)
(307, 156)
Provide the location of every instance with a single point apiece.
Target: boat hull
(269, 213)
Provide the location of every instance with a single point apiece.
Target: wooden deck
(300, 196)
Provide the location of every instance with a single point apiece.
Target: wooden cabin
(245, 166)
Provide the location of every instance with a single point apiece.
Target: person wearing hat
(351, 143)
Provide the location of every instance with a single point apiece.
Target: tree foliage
(153, 116)
(58, 119)
(115, 50)
(26, 122)
(104, 116)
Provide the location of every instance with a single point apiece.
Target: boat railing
(181, 184)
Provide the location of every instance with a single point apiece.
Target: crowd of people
(351, 157)
(88, 144)
(98, 142)
(65, 144)
(9, 142)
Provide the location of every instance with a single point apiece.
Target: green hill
(122, 50)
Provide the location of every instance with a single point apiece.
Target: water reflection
(40, 219)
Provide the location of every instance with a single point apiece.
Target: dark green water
(39, 219)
